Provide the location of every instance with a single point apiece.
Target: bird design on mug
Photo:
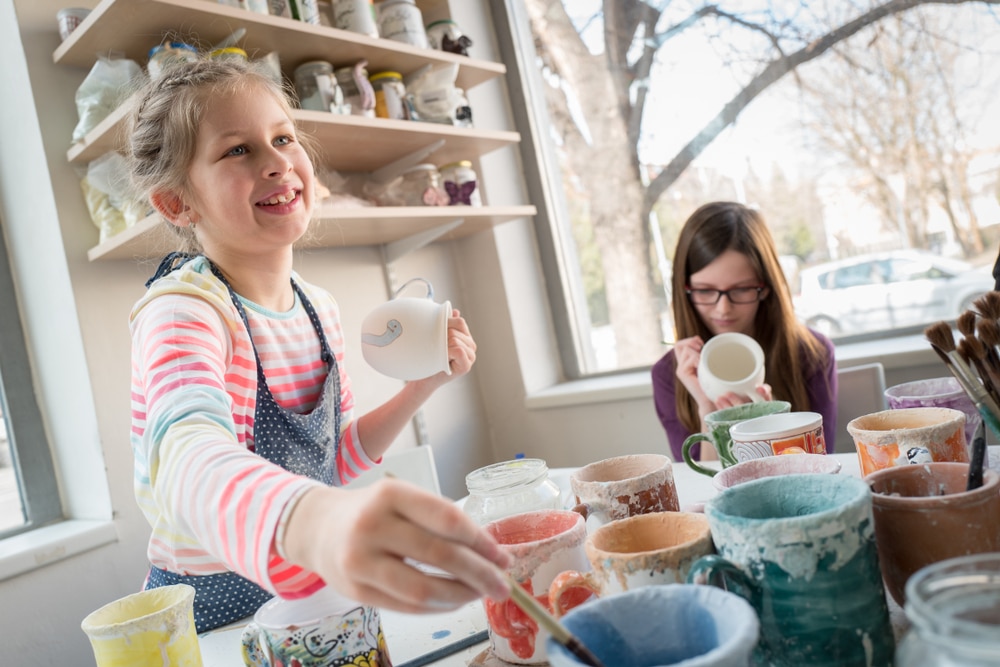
(393, 330)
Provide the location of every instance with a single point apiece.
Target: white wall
(77, 312)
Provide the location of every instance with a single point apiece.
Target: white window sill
(897, 352)
(43, 546)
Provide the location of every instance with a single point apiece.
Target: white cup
(784, 433)
(731, 362)
(407, 337)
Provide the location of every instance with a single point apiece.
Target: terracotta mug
(911, 435)
(625, 486)
(543, 543)
(719, 423)
(801, 549)
(643, 550)
(923, 514)
(791, 433)
(407, 337)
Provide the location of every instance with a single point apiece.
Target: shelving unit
(347, 143)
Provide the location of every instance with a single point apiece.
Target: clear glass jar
(390, 95)
(167, 55)
(954, 610)
(350, 80)
(310, 80)
(510, 487)
(419, 185)
(401, 21)
(464, 188)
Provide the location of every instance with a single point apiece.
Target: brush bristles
(988, 305)
(966, 323)
(940, 334)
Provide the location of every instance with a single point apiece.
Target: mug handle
(253, 656)
(427, 283)
(582, 586)
(716, 571)
(686, 452)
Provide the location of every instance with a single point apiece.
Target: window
(852, 141)
(29, 496)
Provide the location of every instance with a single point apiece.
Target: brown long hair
(710, 231)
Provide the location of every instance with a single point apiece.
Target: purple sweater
(821, 386)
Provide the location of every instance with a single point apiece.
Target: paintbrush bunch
(974, 359)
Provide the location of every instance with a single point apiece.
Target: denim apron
(305, 444)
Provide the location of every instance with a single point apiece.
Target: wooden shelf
(133, 27)
(337, 227)
(347, 143)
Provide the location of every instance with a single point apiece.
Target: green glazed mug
(801, 550)
(718, 424)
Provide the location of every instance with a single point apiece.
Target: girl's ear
(171, 207)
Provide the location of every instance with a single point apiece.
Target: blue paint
(441, 634)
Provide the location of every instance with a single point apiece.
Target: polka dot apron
(305, 444)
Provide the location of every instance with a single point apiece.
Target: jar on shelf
(954, 611)
(356, 16)
(314, 84)
(419, 185)
(229, 53)
(167, 55)
(390, 95)
(445, 35)
(510, 487)
(401, 21)
(461, 183)
(358, 91)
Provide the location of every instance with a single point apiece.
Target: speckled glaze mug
(801, 549)
(908, 435)
(624, 486)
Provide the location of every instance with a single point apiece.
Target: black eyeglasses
(708, 297)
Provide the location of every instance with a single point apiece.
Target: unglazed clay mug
(774, 466)
(147, 628)
(624, 486)
(322, 630)
(801, 549)
(731, 362)
(910, 435)
(719, 423)
(643, 550)
(791, 433)
(407, 337)
(943, 392)
(543, 543)
(923, 514)
(673, 624)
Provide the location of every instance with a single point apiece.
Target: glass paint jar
(464, 188)
(390, 95)
(419, 185)
(167, 55)
(350, 80)
(308, 87)
(356, 16)
(954, 611)
(510, 487)
(401, 21)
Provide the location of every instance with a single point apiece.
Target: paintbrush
(988, 305)
(539, 614)
(977, 459)
(972, 350)
(943, 343)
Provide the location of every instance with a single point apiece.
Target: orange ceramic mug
(910, 435)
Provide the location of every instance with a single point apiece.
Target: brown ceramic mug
(625, 486)
(923, 515)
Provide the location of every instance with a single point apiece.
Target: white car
(902, 288)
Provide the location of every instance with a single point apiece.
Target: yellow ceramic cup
(154, 627)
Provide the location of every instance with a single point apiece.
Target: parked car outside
(901, 288)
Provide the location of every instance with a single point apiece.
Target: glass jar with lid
(314, 84)
(461, 183)
(401, 21)
(358, 91)
(167, 55)
(954, 611)
(419, 185)
(390, 95)
(510, 487)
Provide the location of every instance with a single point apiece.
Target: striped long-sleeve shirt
(213, 504)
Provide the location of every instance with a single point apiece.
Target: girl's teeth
(281, 199)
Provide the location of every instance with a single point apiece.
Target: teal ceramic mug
(719, 423)
(801, 549)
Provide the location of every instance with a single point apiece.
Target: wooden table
(410, 637)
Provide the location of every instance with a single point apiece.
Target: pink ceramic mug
(543, 543)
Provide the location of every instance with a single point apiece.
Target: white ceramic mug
(788, 433)
(407, 337)
(322, 630)
(731, 362)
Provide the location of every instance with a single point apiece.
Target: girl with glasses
(727, 278)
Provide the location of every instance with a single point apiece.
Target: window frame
(31, 453)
